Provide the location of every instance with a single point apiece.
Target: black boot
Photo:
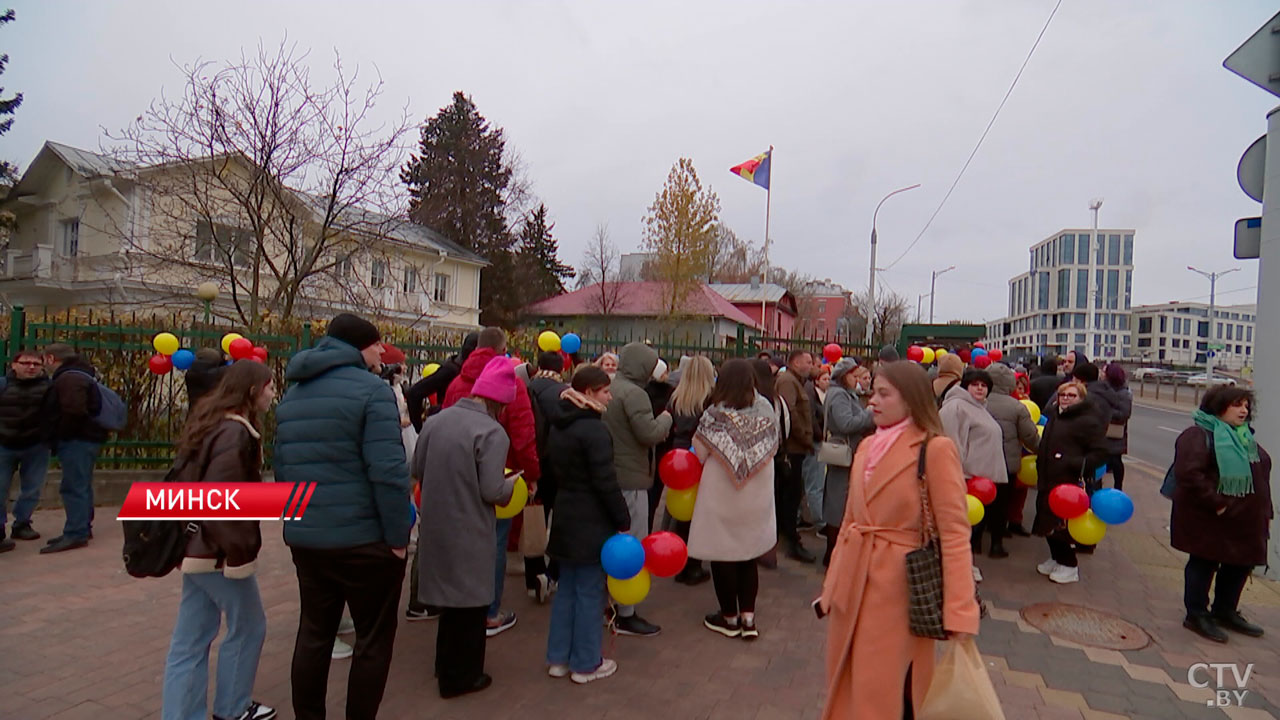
(997, 549)
(693, 574)
(1205, 627)
(1235, 622)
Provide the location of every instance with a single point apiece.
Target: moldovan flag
(755, 170)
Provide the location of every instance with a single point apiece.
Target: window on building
(1239, 332)
(1067, 249)
(1164, 324)
(1238, 350)
(1099, 287)
(1082, 288)
(1082, 249)
(1219, 330)
(1177, 326)
(377, 273)
(346, 267)
(1128, 249)
(1202, 345)
(1078, 320)
(1113, 249)
(1128, 289)
(1163, 341)
(822, 307)
(1230, 327)
(1061, 338)
(410, 280)
(441, 291)
(1249, 334)
(1043, 295)
(70, 245)
(1064, 288)
(1122, 322)
(1144, 325)
(822, 326)
(220, 243)
(1079, 338)
(1144, 342)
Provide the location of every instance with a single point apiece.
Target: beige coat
(869, 643)
(731, 523)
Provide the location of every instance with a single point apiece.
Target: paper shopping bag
(961, 688)
(533, 533)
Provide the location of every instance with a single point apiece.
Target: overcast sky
(1125, 100)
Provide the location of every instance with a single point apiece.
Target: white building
(1048, 305)
(1177, 333)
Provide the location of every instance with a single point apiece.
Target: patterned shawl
(743, 439)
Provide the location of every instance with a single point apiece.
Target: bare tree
(269, 184)
(887, 317)
(600, 268)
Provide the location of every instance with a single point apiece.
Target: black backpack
(1170, 482)
(153, 548)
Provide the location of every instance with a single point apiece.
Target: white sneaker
(607, 668)
(977, 574)
(341, 650)
(558, 671)
(1063, 574)
(1047, 567)
(347, 626)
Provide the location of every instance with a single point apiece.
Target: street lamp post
(933, 292)
(919, 301)
(1091, 333)
(207, 292)
(1208, 346)
(871, 284)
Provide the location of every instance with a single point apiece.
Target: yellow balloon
(1040, 430)
(1032, 408)
(929, 356)
(680, 503)
(975, 510)
(430, 369)
(630, 591)
(519, 496)
(1087, 529)
(1027, 474)
(165, 343)
(228, 339)
(939, 354)
(548, 341)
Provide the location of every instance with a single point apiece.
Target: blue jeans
(77, 458)
(206, 597)
(815, 481)
(500, 567)
(31, 465)
(576, 633)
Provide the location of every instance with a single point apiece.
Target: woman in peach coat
(874, 663)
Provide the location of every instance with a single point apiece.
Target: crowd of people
(868, 455)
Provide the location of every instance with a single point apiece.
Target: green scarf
(1235, 449)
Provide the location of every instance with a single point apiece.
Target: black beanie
(354, 331)
(888, 354)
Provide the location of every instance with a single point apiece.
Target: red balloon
(965, 355)
(982, 362)
(983, 489)
(568, 361)
(260, 353)
(241, 349)
(417, 494)
(160, 364)
(680, 469)
(915, 353)
(978, 344)
(665, 554)
(832, 353)
(255, 358)
(995, 354)
(1068, 501)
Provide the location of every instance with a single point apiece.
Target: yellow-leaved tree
(680, 232)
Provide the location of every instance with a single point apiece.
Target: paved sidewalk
(81, 639)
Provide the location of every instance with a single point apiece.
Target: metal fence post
(17, 327)
(306, 337)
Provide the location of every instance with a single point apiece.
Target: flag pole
(764, 293)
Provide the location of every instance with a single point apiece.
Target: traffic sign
(1248, 238)
(1250, 170)
(1258, 59)
(1211, 354)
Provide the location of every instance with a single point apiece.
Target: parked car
(1148, 373)
(1203, 380)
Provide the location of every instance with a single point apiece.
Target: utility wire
(950, 190)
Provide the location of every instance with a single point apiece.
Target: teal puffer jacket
(339, 427)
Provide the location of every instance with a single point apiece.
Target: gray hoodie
(630, 418)
(1015, 420)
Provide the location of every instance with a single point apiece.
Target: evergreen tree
(542, 274)
(457, 182)
(8, 171)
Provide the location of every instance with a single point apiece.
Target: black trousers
(1199, 576)
(788, 490)
(535, 566)
(1061, 548)
(995, 518)
(367, 579)
(460, 644)
(1115, 463)
(736, 584)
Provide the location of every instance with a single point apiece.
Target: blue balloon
(413, 513)
(183, 359)
(1112, 506)
(1043, 419)
(570, 343)
(622, 556)
(977, 353)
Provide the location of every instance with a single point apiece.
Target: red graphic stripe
(306, 498)
(206, 501)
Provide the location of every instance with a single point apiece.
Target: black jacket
(202, 377)
(436, 385)
(1072, 446)
(71, 404)
(589, 504)
(1044, 388)
(21, 407)
(1237, 535)
(683, 427)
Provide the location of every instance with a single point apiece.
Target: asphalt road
(1152, 432)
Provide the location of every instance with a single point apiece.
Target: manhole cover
(1086, 626)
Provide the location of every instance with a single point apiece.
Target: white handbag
(833, 452)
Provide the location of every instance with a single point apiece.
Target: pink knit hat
(497, 382)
